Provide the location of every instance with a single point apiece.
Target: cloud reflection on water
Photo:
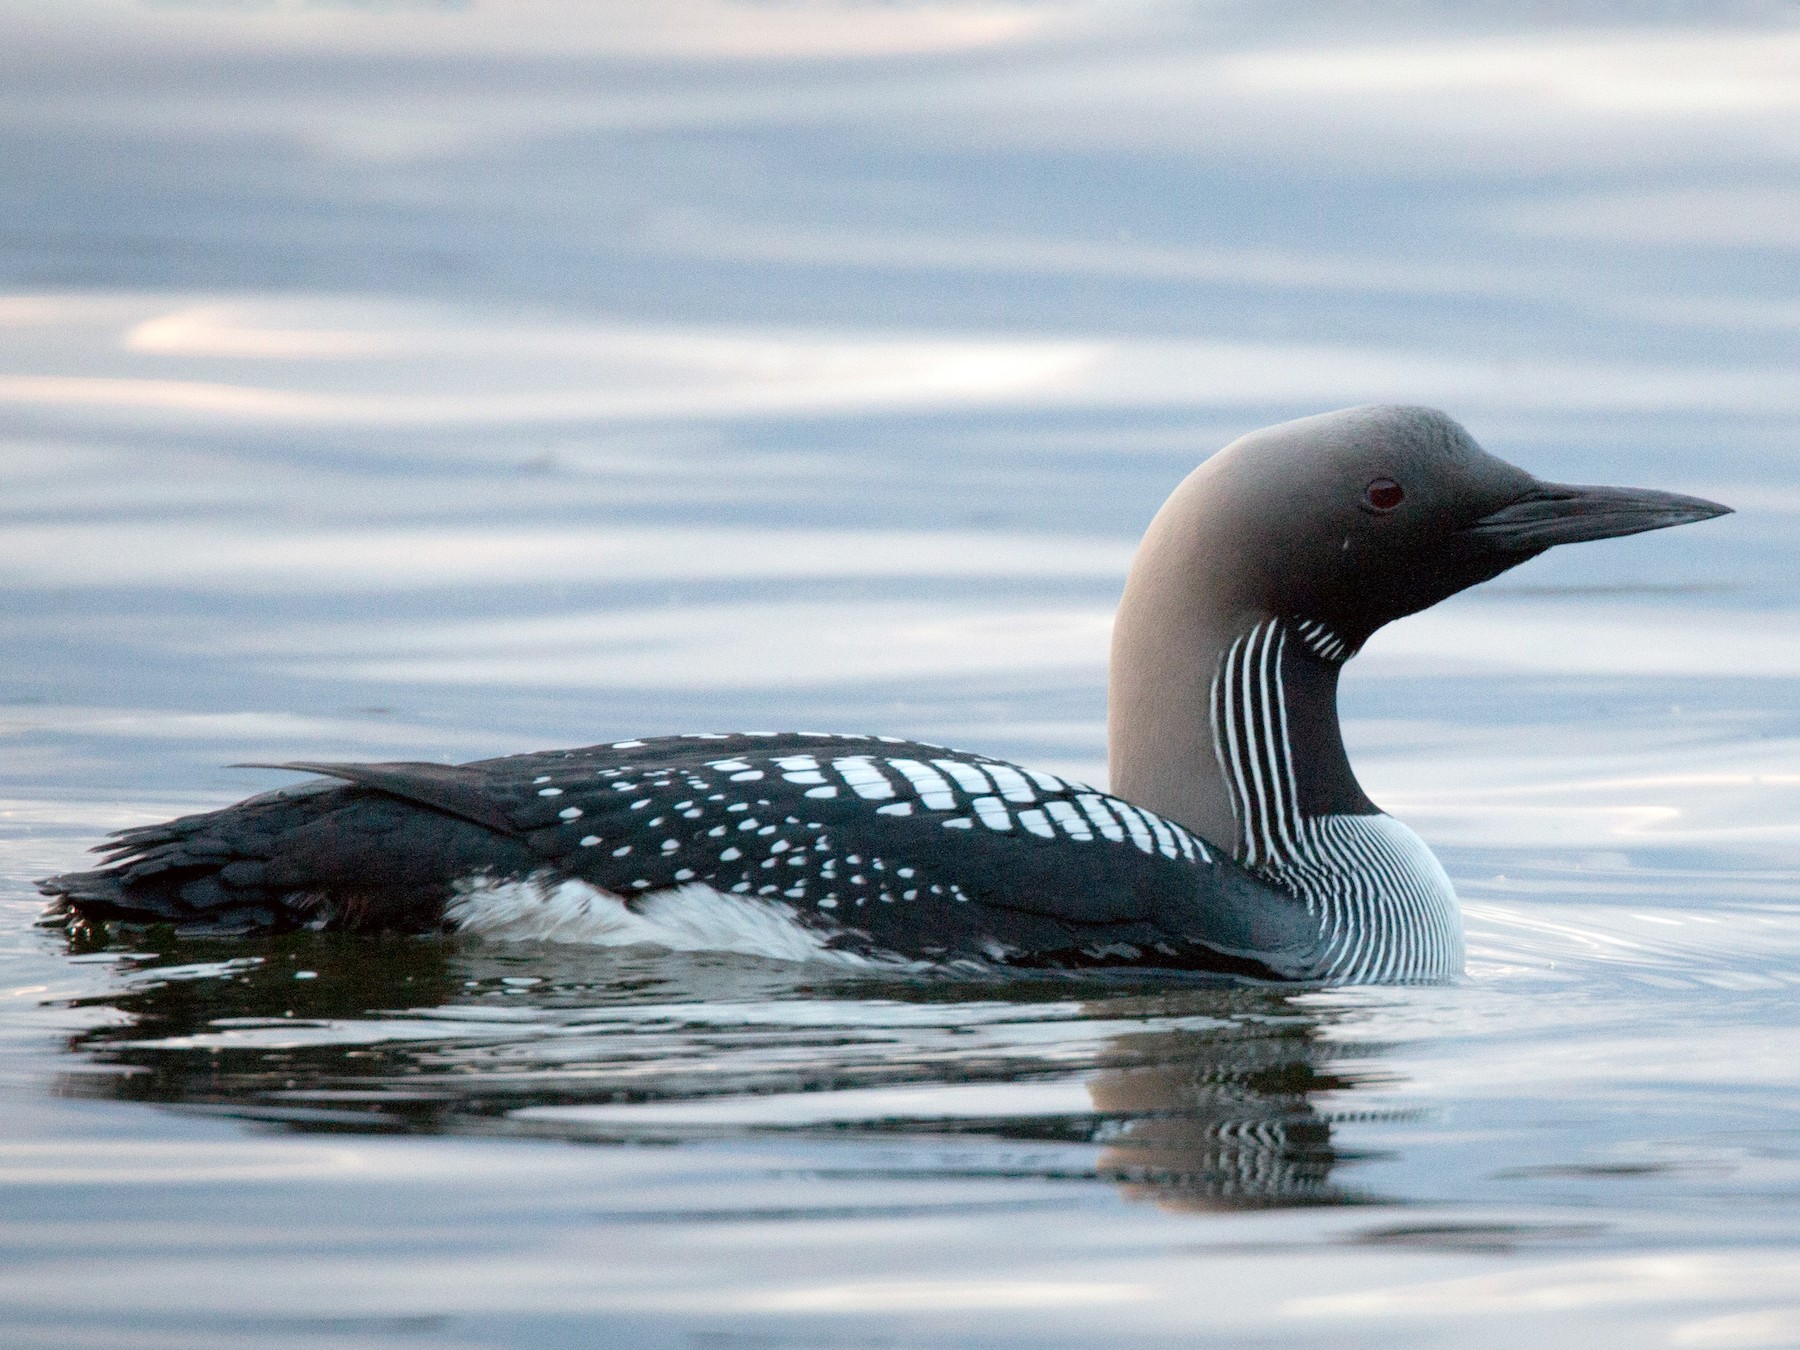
(384, 363)
(150, 555)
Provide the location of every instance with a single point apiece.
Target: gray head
(1337, 524)
(1359, 517)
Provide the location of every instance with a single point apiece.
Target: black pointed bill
(1568, 513)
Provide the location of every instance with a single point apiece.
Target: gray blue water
(435, 380)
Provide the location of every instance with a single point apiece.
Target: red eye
(1384, 494)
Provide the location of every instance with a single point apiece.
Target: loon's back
(797, 844)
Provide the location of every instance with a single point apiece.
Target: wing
(898, 847)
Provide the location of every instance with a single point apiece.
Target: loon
(1234, 838)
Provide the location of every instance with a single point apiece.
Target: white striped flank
(1386, 909)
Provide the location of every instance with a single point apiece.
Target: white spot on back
(1104, 820)
(969, 778)
(933, 791)
(992, 813)
(864, 778)
(1165, 838)
(1011, 782)
(1070, 820)
(1140, 832)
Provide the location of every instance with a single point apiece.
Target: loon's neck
(1257, 759)
(1222, 715)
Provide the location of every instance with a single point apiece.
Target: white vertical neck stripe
(1385, 908)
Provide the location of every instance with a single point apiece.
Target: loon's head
(1327, 527)
(1356, 518)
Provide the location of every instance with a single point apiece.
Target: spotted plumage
(867, 847)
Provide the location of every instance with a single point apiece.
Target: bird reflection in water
(1211, 1100)
(1227, 1117)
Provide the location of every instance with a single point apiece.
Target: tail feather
(343, 856)
(203, 873)
(192, 900)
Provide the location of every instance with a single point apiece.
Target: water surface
(438, 380)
